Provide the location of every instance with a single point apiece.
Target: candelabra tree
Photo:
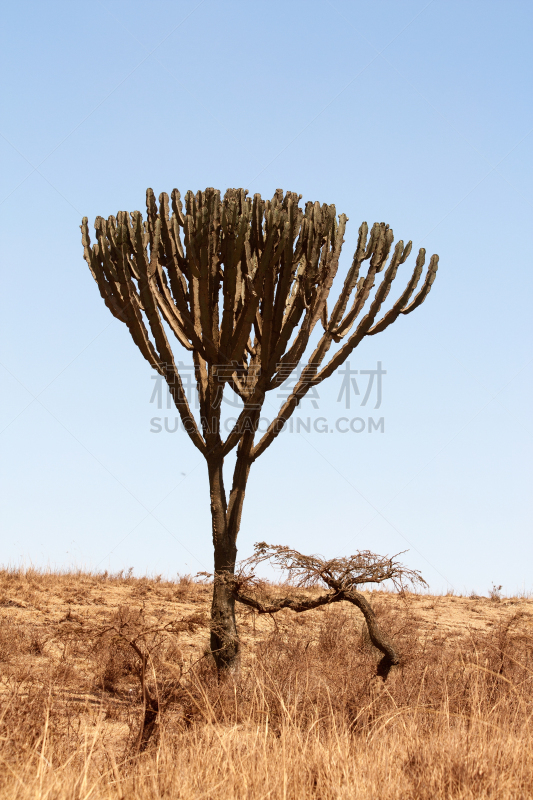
(242, 283)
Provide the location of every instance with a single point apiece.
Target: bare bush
(339, 575)
(129, 643)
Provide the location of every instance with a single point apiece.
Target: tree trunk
(379, 638)
(150, 709)
(226, 521)
(224, 637)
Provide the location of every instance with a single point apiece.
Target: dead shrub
(112, 662)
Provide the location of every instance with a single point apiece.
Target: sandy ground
(47, 641)
(42, 603)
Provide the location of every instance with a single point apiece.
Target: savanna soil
(306, 718)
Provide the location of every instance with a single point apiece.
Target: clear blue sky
(411, 112)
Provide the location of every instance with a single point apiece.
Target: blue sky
(415, 113)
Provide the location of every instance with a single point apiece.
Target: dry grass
(306, 718)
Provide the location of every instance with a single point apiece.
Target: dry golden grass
(305, 719)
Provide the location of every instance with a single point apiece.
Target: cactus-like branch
(272, 265)
(378, 250)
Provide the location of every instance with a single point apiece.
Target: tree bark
(150, 708)
(224, 637)
(379, 638)
(226, 521)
